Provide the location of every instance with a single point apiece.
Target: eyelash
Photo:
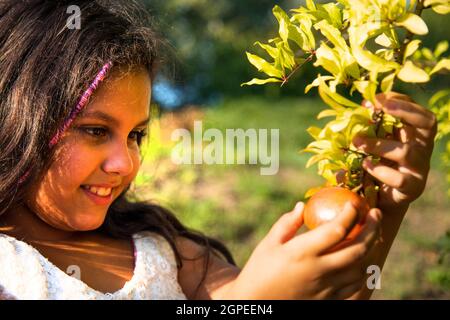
(89, 130)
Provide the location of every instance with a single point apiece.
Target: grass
(237, 205)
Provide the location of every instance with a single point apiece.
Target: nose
(119, 160)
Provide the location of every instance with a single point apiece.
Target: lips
(96, 198)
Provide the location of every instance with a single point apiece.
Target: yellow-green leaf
(411, 48)
(314, 132)
(340, 100)
(316, 82)
(428, 3)
(272, 51)
(412, 73)
(413, 23)
(441, 9)
(327, 113)
(328, 59)
(314, 159)
(366, 59)
(260, 81)
(387, 83)
(283, 20)
(311, 192)
(442, 64)
(264, 66)
(439, 6)
(441, 48)
(310, 5)
(331, 33)
(383, 40)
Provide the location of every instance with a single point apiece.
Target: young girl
(74, 107)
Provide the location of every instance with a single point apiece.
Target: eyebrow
(107, 118)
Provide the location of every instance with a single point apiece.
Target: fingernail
(377, 215)
(368, 104)
(298, 207)
(367, 164)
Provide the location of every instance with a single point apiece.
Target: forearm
(392, 219)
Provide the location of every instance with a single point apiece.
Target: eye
(96, 131)
(138, 135)
(101, 133)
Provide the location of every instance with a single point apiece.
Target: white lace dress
(26, 274)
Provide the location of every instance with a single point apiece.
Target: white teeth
(103, 192)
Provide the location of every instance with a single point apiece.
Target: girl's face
(100, 148)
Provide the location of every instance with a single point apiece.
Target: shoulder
(219, 276)
(20, 268)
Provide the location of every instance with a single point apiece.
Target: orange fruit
(329, 202)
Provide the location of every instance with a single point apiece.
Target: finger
(410, 112)
(350, 290)
(357, 248)
(326, 235)
(396, 151)
(402, 181)
(415, 137)
(287, 225)
(345, 277)
(394, 95)
(384, 96)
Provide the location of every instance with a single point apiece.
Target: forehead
(122, 96)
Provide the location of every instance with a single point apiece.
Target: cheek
(65, 174)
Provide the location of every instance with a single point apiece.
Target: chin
(87, 222)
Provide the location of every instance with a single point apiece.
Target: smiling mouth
(101, 192)
(98, 197)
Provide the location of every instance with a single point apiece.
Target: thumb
(287, 225)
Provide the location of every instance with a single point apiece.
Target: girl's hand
(406, 157)
(286, 266)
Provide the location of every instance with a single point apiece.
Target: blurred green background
(236, 204)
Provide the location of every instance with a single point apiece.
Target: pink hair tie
(75, 111)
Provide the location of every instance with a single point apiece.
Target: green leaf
(283, 20)
(428, 54)
(366, 59)
(264, 66)
(314, 132)
(441, 48)
(334, 12)
(327, 113)
(413, 74)
(272, 51)
(260, 81)
(428, 3)
(328, 59)
(442, 64)
(310, 5)
(311, 192)
(413, 23)
(441, 9)
(316, 82)
(285, 59)
(309, 41)
(337, 98)
(439, 6)
(383, 40)
(411, 48)
(331, 33)
(366, 88)
(388, 82)
(316, 158)
(338, 125)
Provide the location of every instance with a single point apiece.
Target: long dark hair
(44, 69)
